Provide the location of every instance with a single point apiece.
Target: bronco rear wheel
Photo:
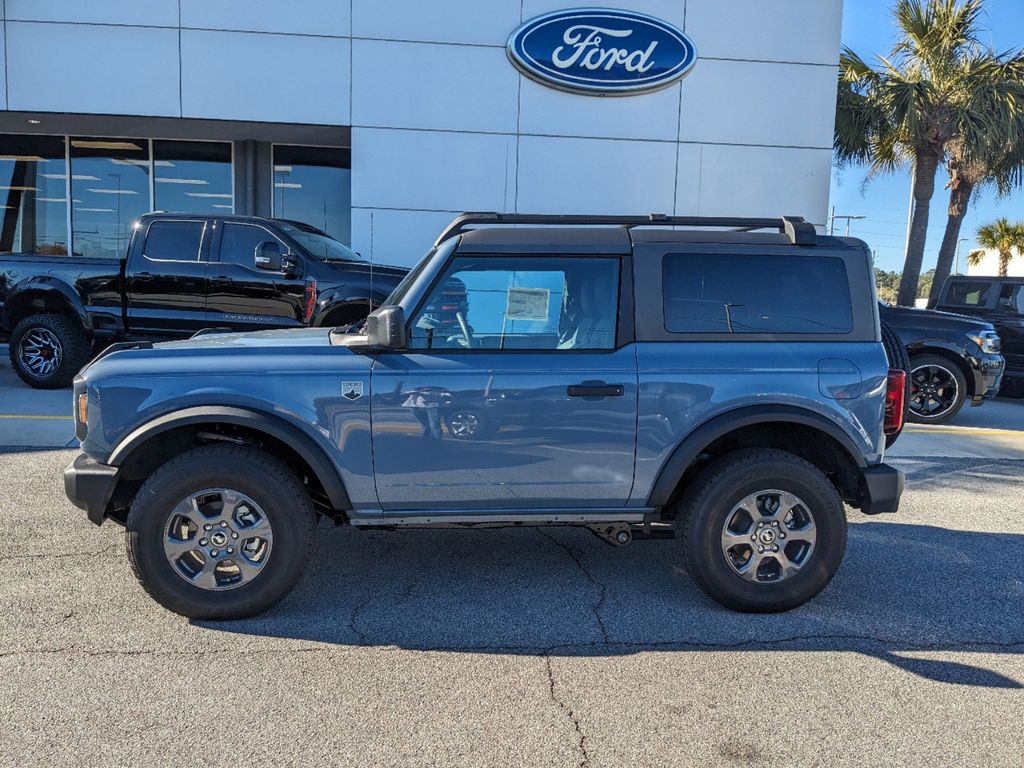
(220, 532)
(762, 530)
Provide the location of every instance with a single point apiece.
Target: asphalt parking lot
(523, 648)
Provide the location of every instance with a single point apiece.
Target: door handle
(595, 389)
(223, 279)
(142, 276)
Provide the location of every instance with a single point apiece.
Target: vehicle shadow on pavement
(903, 593)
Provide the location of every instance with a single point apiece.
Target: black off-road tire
(953, 370)
(708, 503)
(896, 352)
(76, 349)
(262, 477)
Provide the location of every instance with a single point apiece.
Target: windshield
(407, 283)
(410, 277)
(318, 244)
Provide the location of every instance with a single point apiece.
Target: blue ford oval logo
(601, 52)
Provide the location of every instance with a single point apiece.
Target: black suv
(1000, 301)
(953, 359)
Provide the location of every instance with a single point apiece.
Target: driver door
(243, 296)
(517, 391)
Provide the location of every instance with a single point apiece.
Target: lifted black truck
(1000, 301)
(181, 273)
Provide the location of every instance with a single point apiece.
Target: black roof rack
(795, 228)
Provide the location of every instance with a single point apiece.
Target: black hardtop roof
(585, 226)
(518, 233)
(607, 240)
(559, 239)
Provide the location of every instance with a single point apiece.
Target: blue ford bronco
(641, 376)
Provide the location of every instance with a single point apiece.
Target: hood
(930, 318)
(260, 352)
(274, 338)
(383, 271)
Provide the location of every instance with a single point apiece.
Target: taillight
(310, 299)
(895, 400)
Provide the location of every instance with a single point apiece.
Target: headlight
(988, 341)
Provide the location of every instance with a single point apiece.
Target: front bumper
(90, 486)
(881, 488)
(988, 376)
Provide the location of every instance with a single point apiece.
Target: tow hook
(616, 534)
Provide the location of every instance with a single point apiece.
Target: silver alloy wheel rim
(769, 536)
(40, 352)
(464, 424)
(943, 389)
(218, 539)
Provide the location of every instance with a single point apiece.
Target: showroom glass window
(738, 293)
(33, 193)
(192, 177)
(313, 185)
(109, 190)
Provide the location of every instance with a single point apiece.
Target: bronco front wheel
(762, 530)
(220, 532)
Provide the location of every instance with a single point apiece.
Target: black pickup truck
(181, 273)
(953, 360)
(1000, 301)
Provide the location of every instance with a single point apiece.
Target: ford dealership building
(378, 120)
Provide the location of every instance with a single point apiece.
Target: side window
(174, 241)
(750, 293)
(238, 243)
(968, 294)
(1011, 299)
(536, 303)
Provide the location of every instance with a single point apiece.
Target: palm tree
(1001, 236)
(1000, 162)
(938, 86)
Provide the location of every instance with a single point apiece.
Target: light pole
(832, 227)
(956, 266)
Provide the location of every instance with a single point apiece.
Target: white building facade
(379, 120)
(989, 265)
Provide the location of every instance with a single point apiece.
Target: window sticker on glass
(527, 304)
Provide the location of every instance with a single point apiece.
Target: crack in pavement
(581, 739)
(57, 555)
(359, 607)
(603, 590)
(978, 646)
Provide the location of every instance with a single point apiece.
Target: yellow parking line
(965, 431)
(36, 416)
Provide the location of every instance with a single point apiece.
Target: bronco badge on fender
(601, 52)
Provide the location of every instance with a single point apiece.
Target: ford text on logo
(601, 52)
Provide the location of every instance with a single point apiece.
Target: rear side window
(969, 294)
(750, 293)
(1011, 299)
(174, 240)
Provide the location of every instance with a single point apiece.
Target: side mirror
(385, 328)
(269, 256)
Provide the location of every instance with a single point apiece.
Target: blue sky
(868, 29)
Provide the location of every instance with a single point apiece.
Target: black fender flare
(709, 431)
(50, 285)
(333, 301)
(259, 421)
